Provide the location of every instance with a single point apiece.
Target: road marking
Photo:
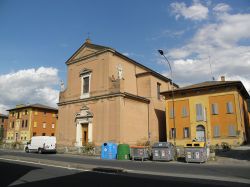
(49, 165)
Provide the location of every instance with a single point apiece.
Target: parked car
(41, 144)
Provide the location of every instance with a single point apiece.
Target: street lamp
(172, 89)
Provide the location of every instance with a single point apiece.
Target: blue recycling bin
(109, 151)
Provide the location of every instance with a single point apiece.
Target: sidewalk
(237, 155)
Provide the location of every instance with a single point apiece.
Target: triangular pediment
(87, 49)
(84, 52)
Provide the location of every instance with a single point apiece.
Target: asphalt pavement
(230, 172)
(26, 174)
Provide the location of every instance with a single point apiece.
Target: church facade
(110, 97)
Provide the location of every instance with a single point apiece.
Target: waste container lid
(138, 146)
(162, 144)
(196, 144)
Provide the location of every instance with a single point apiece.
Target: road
(229, 173)
(23, 174)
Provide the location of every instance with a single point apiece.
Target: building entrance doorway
(85, 134)
(200, 133)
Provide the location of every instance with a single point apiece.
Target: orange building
(3, 126)
(26, 121)
(213, 111)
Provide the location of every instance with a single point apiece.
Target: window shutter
(215, 108)
(232, 130)
(85, 84)
(229, 107)
(199, 112)
(171, 113)
(216, 131)
(186, 132)
(184, 111)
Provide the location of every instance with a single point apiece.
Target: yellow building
(213, 111)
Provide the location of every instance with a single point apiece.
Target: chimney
(222, 78)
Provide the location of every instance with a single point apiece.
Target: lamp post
(172, 89)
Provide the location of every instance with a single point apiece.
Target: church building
(110, 97)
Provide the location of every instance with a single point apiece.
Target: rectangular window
(158, 91)
(215, 109)
(26, 112)
(171, 113)
(172, 133)
(44, 125)
(216, 131)
(34, 133)
(52, 134)
(26, 123)
(186, 132)
(22, 123)
(2, 120)
(229, 107)
(231, 130)
(13, 124)
(53, 126)
(86, 84)
(199, 112)
(184, 111)
(44, 113)
(43, 134)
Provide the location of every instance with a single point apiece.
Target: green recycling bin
(123, 152)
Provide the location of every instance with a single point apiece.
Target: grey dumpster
(163, 151)
(196, 152)
(139, 152)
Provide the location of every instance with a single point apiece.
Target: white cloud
(170, 34)
(221, 8)
(29, 86)
(194, 12)
(225, 40)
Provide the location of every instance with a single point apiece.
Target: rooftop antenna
(213, 79)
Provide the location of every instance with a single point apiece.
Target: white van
(41, 144)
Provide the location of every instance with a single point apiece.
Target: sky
(201, 39)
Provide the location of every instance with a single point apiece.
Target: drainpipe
(148, 125)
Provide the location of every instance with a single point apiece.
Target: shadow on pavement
(10, 172)
(125, 179)
(235, 154)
